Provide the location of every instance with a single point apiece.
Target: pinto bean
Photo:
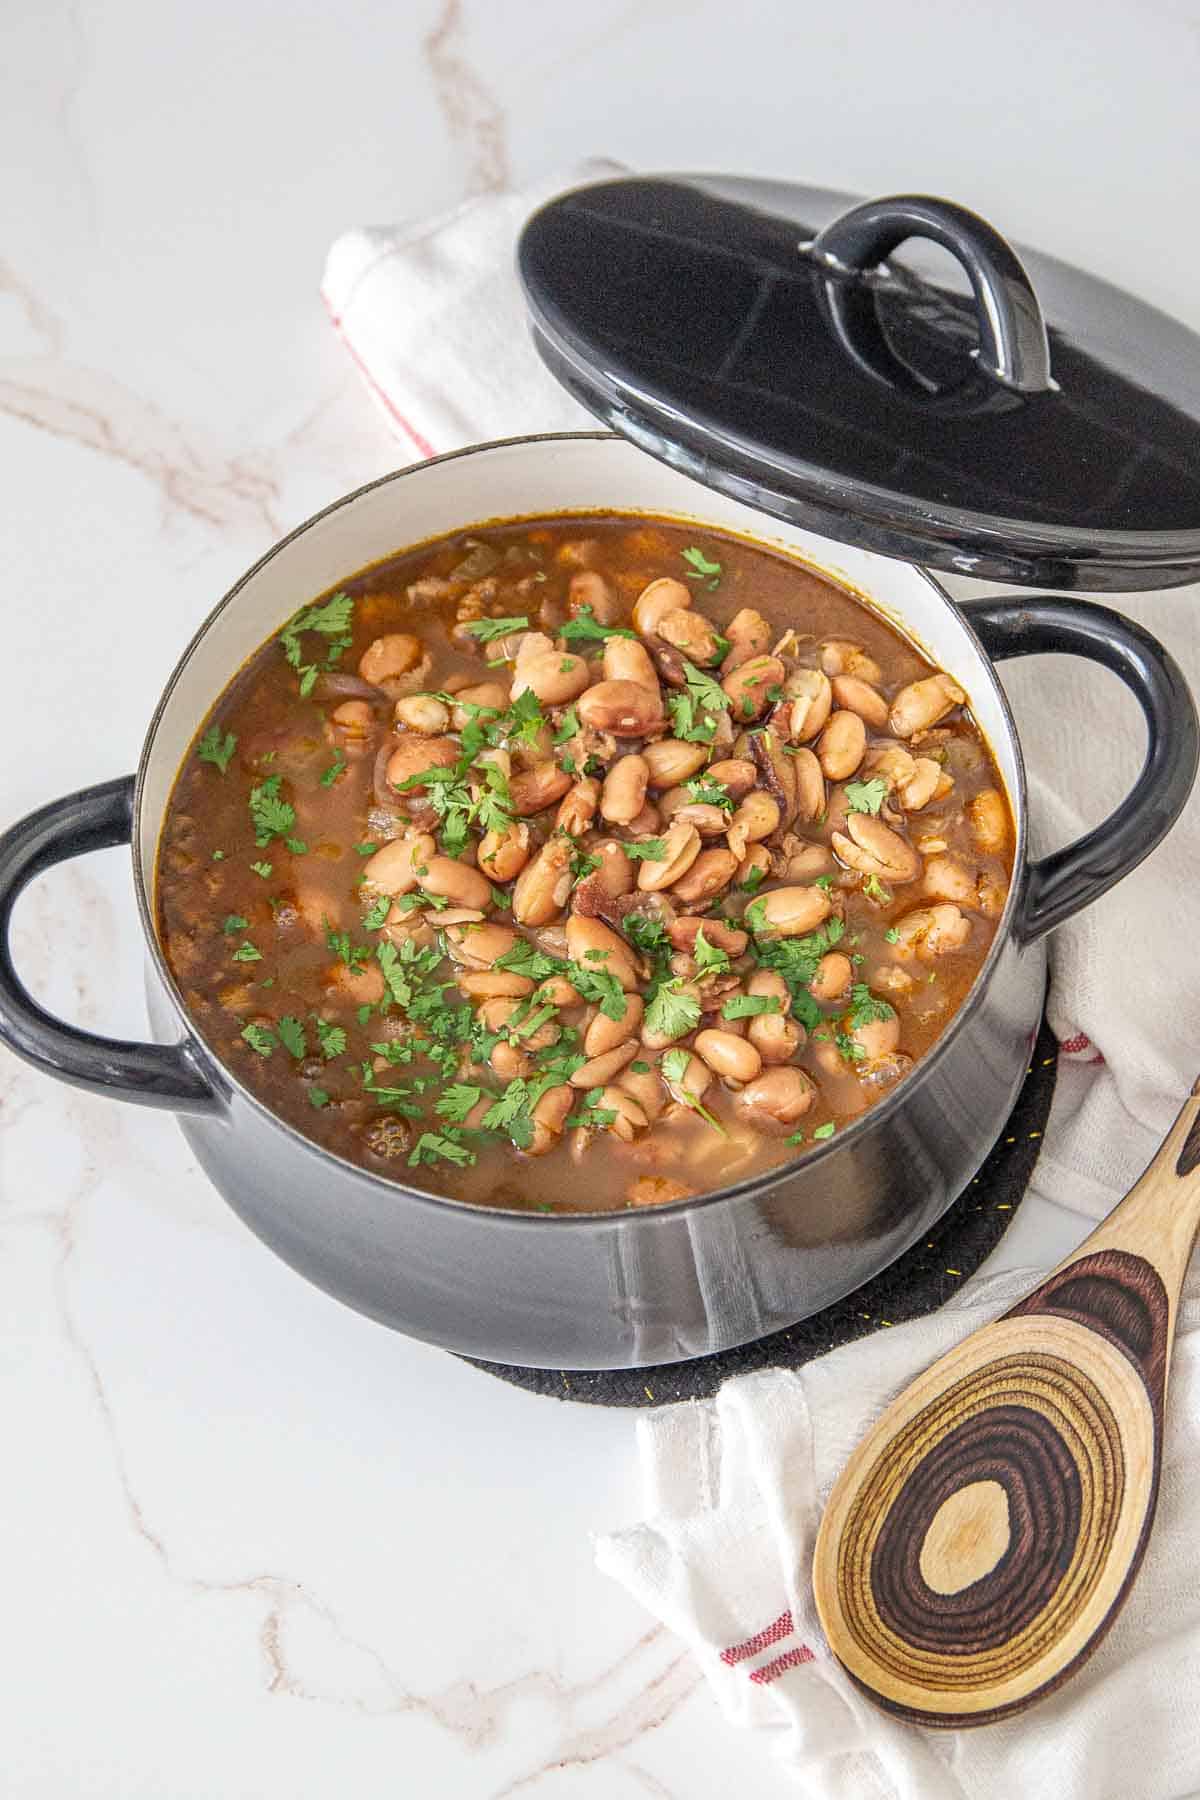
(646, 1088)
(691, 633)
(923, 703)
(594, 945)
(604, 1034)
(671, 761)
(544, 885)
(482, 696)
(693, 1080)
(393, 870)
(878, 1038)
(624, 792)
(710, 821)
(625, 660)
(415, 756)
(456, 882)
(579, 807)
(556, 990)
(479, 946)
(681, 849)
(831, 982)
(629, 1120)
(873, 848)
(736, 774)
(810, 786)
(549, 1116)
(709, 873)
(623, 707)
(754, 866)
(732, 1057)
(776, 1100)
(601, 1069)
(775, 1035)
(750, 686)
(503, 854)
(555, 677)
(352, 723)
(749, 635)
(987, 816)
(839, 656)
(494, 984)
(947, 877)
(756, 818)
(842, 745)
(921, 786)
(930, 932)
(589, 588)
(616, 874)
(424, 713)
(792, 911)
(362, 987)
(533, 790)
(807, 703)
(389, 656)
(858, 696)
(657, 600)
(508, 1060)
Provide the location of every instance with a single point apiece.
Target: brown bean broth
(279, 733)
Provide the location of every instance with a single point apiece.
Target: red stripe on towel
(790, 1659)
(423, 446)
(762, 1640)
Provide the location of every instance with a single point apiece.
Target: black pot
(653, 1285)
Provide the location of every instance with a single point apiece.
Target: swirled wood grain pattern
(984, 1534)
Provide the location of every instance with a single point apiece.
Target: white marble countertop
(251, 1544)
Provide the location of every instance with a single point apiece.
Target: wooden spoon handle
(985, 1533)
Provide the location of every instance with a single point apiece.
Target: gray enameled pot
(654, 1285)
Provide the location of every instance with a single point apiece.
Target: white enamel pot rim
(545, 475)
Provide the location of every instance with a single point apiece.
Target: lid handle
(1013, 349)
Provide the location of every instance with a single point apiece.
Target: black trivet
(922, 1280)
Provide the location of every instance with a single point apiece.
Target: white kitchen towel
(431, 313)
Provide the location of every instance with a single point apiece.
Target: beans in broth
(581, 864)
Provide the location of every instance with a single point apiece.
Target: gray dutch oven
(652, 1285)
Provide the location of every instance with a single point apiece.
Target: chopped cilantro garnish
(891, 935)
(755, 876)
(331, 619)
(265, 869)
(456, 1101)
(701, 568)
(825, 1131)
(339, 942)
(585, 625)
(317, 1097)
(639, 1068)
(649, 850)
(247, 953)
(694, 712)
(376, 915)
(568, 727)
(291, 1036)
(865, 1008)
(709, 959)
(674, 1068)
(592, 1116)
(334, 770)
(260, 1040)
(234, 922)
(874, 889)
(709, 793)
(431, 1147)
(271, 816)
(670, 1013)
(488, 630)
(748, 1006)
(215, 748)
(365, 849)
(332, 1038)
(866, 796)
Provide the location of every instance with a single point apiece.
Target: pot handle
(168, 1075)
(1069, 879)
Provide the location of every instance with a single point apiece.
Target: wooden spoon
(985, 1533)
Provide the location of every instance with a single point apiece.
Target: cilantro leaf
(247, 953)
(234, 922)
(586, 626)
(259, 1039)
(488, 630)
(755, 876)
(866, 1008)
(331, 1038)
(649, 850)
(674, 1068)
(874, 889)
(339, 942)
(317, 1097)
(670, 1013)
(824, 1131)
(569, 726)
(709, 959)
(431, 1147)
(334, 770)
(700, 568)
(749, 1006)
(291, 1036)
(376, 914)
(271, 816)
(866, 796)
(456, 1101)
(216, 749)
(891, 935)
(262, 868)
(709, 793)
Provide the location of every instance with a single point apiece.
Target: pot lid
(1019, 419)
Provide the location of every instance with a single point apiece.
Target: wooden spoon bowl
(985, 1533)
